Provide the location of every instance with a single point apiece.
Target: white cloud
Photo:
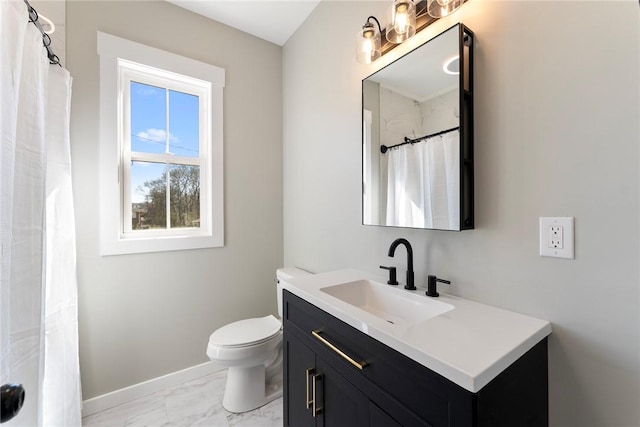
(156, 135)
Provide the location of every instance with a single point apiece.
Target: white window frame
(132, 72)
(122, 61)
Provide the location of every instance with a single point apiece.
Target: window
(165, 148)
(160, 150)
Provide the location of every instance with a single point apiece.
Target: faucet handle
(392, 275)
(432, 281)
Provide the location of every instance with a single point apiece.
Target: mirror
(417, 137)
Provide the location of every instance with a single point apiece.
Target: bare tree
(184, 199)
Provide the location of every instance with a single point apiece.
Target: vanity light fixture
(440, 8)
(368, 42)
(405, 18)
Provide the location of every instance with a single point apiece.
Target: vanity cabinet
(314, 385)
(391, 389)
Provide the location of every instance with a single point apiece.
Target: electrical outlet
(556, 237)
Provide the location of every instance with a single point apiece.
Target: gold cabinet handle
(315, 410)
(355, 363)
(309, 372)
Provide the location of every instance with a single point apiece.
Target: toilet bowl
(251, 349)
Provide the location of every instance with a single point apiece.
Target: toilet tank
(283, 274)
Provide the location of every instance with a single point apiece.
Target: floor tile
(118, 416)
(269, 415)
(194, 403)
(200, 398)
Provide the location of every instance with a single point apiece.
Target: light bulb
(367, 48)
(401, 19)
(368, 44)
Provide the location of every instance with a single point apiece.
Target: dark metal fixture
(432, 283)
(392, 249)
(392, 275)
(12, 398)
(407, 140)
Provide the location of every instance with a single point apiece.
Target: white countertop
(469, 345)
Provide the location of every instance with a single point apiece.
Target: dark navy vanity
(322, 388)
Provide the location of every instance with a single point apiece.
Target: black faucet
(392, 249)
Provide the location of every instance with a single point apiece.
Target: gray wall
(557, 108)
(142, 316)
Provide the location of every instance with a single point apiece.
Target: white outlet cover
(566, 249)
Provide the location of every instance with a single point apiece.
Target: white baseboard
(136, 391)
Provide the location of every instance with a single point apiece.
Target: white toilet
(251, 349)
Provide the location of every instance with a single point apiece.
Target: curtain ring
(33, 14)
(46, 40)
(54, 60)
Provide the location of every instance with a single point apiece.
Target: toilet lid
(246, 332)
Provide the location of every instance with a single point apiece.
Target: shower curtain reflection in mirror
(423, 184)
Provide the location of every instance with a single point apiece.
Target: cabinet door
(379, 418)
(299, 366)
(311, 384)
(341, 404)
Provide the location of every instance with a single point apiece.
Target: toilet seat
(246, 333)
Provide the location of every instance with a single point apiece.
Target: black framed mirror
(417, 137)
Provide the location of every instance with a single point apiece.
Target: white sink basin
(452, 336)
(395, 306)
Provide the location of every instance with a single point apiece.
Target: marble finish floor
(194, 403)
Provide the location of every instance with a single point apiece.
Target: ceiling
(418, 75)
(271, 20)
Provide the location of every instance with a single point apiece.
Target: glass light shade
(402, 21)
(368, 44)
(440, 8)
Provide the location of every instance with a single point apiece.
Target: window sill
(124, 246)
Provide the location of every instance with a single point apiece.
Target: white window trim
(113, 239)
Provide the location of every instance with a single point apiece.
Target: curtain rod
(384, 148)
(46, 39)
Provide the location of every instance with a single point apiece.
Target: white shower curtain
(39, 330)
(423, 184)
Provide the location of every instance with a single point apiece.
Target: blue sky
(149, 129)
